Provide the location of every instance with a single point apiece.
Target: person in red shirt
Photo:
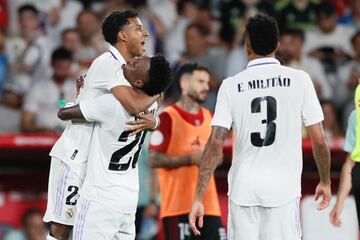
(175, 149)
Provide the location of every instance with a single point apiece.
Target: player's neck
(255, 56)
(123, 51)
(188, 104)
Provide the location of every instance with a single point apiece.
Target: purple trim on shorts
(67, 170)
(58, 192)
(84, 218)
(77, 226)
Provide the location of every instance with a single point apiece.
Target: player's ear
(138, 83)
(184, 84)
(122, 36)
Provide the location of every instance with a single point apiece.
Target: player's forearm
(162, 160)
(321, 154)
(70, 113)
(210, 159)
(345, 180)
(133, 101)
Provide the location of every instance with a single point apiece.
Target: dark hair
(189, 68)
(160, 76)
(28, 7)
(294, 32)
(181, 4)
(69, 30)
(61, 54)
(28, 213)
(115, 22)
(262, 32)
(325, 9)
(200, 28)
(353, 38)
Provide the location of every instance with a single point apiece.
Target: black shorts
(177, 228)
(355, 179)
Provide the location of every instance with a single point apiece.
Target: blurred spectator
(165, 11)
(33, 227)
(3, 14)
(92, 41)
(151, 23)
(70, 40)
(349, 75)
(61, 18)
(352, 18)
(234, 11)
(329, 43)
(291, 54)
(43, 7)
(3, 61)
(198, 51)
(174, 41)
(147, 210)
(236, 61)
(28, 57)
(330, 123)
(298, 14)
(47, 96)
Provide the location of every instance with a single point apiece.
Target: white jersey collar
(116, 54)
(262, 62)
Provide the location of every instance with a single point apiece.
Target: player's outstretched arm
(321, 154)
(343, 191)
(212, 153)
(71, 113)
(158, 159)
(133, 101)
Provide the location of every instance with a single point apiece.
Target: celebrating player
(124, 31)
(264, 104)
(175, 149)
(109, 194)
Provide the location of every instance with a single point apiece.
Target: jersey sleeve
(160, 138)
(222, 116)
(350, 138)
(109, 76)
(311, 109)
(100, 109)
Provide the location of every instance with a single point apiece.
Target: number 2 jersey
(265, 105)
(112, 173)
(73, 145)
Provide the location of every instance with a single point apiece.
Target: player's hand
(143, 122)
(335, 215)
(79, 84)
(324, 190)
(196, 213)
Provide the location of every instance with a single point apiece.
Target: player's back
(73, 145)
(267, 103)
(112, 173)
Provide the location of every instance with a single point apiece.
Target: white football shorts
(63, 188)
(264, 223)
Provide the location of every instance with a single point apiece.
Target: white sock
(48, 237)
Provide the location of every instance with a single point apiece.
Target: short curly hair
(262, 32)
(115, 22)
(160, 76)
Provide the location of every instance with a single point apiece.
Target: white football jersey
(265, 105)
(112, 174)
(73, 145)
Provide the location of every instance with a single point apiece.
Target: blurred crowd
(45, 45)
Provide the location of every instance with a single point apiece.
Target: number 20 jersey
(112, 173)
(265, 105)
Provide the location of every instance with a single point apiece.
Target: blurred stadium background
(320, 37)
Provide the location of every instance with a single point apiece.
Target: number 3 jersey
(265, 105)
(112, 174)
